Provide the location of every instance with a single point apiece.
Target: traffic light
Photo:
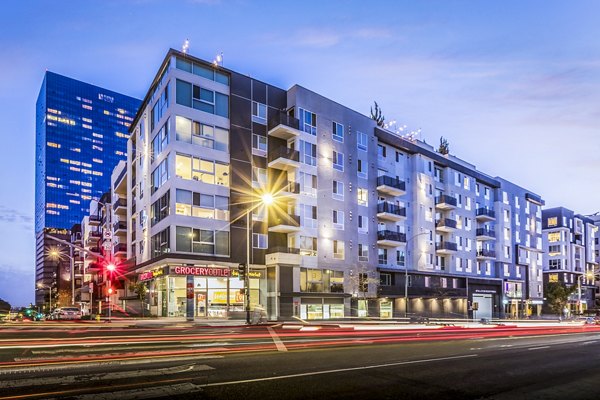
(110, 290)
(111, 267)
(242, 271)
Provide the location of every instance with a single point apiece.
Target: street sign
(106, 245)
(107, 234)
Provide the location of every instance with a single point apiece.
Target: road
(276, 362)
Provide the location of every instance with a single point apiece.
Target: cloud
(13, 216)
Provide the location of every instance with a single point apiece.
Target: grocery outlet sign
(200, 271)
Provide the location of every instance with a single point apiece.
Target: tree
(4, 307)
(557, 296)
(360, 280)
(444, 146)
(140, 289)
(377, 115)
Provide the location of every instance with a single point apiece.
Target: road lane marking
(539, 348)
(588, 342)
(278, 343)
(334, 371)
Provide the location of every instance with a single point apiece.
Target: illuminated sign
(105, 97)
(201, 271)
(252, 274)
(146, 276)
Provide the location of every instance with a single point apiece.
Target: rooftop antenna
(218, 61)
(186, 46)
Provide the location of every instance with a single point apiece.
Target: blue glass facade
(81, 134)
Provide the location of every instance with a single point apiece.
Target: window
(160, 142)
(486, 192)
(159, 243)
(308, 153)
(201, 205)
(259, 177)
(552, 221)
(338, 249)
(259, 113)
(308, 215)
(338, 132)
(160, 175)
(555, 264)
(198, 169)
(201, 241)
(308, 246)
(259, 145)
(160, 107)
(202, 99)
(362, 141)
(202, 70)
(308, 121)
(338, 161)
(438, 175)
(338, 190)
(553, 237)
(361, 168)
(381, 151)
(259, 241)
(319, 281)
(363, 226)
(382, 256)
(400, 258)
(308, 184)
(505, 197)
(363, 197)
(363, 252)
(554, 250)
(159, 209)
(467, 183)
(208, 136)
(338, 219)
(385, 279)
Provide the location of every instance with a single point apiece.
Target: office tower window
(308, 121)
(338, 132)
(259, 241)
(259, 113)
(338, 219)
(212, 137)
(362, 141)
(338, 161)
(308, 153)
(259, 145)
(339, 249)
(363, 197)
(338, 190)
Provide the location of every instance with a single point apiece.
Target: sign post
(189, 298)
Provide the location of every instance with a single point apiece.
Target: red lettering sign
(201, 271)
(145, 276)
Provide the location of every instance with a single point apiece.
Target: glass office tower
(81, 134)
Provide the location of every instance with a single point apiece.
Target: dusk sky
(513, 85)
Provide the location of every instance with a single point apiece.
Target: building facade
(81, 134)
(364, 221)
(570, 244)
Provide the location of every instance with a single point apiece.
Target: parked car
(66, 313)
(587, 320)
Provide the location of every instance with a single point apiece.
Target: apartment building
(364, 222)
(570, 244)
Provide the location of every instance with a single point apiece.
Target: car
(587, 320)
(65, 313)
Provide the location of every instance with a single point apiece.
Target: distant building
(570, 248)
(81, 134)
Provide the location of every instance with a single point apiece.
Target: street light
(110, 268)
(406, 273)
(589, 276)
(55, 254)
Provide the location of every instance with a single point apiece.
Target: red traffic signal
(111, 267)
(110, 290)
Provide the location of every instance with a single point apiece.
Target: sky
(513, 85)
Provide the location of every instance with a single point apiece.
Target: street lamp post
(406, 274)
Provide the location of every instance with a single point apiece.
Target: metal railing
(386, 207)
(391, 235)
(392, 182)
(284, 152)
(281, 118)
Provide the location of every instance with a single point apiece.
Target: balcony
(120, 249)
(120, 206)
(283, 126)
(284, 158)
(445, 202)
(445, 225)
(390, 212)
(290, 189)
(486, 254)
(391, 186)
(485, 234)
(94, 220)
(285, 224)
(388, 238)
(484, 214)
(120, 227)
(283, 255)
(446, 247)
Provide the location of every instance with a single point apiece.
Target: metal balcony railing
(284, 152)
(392, 182)
(385, 207)
(445, 199)
(485, 212)
(391, 235)
(281, 118)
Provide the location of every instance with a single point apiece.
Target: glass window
(259, 113)
(259, 145)
(338, 161)
(222, 105)
(308, 121)
(259, 241)
(338, 190)
(338, 249)
(362, 141)
(363, 197)
(183, 93)
(338, 132)
(338, 219)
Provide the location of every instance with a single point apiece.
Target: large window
(362, 141)
(363, 252)
(338, 161)
(208, 136)
(554, 237)
(160, 142)
(363, 197)
(159, 243)
(338, 132)
(259, 113)
(338, 190)
(259, 145)
(324, 281)
(159, 209)
(160, 175)
(308, 153)
(308, 215)
(160, 107)
(201, 205)
(202, 99)
(308, 184)
(201, 241)
(308, 121)
(338, 219)
(308, 246)
(259, 241)
(198, 169)
(339, 248)
(202, 70)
